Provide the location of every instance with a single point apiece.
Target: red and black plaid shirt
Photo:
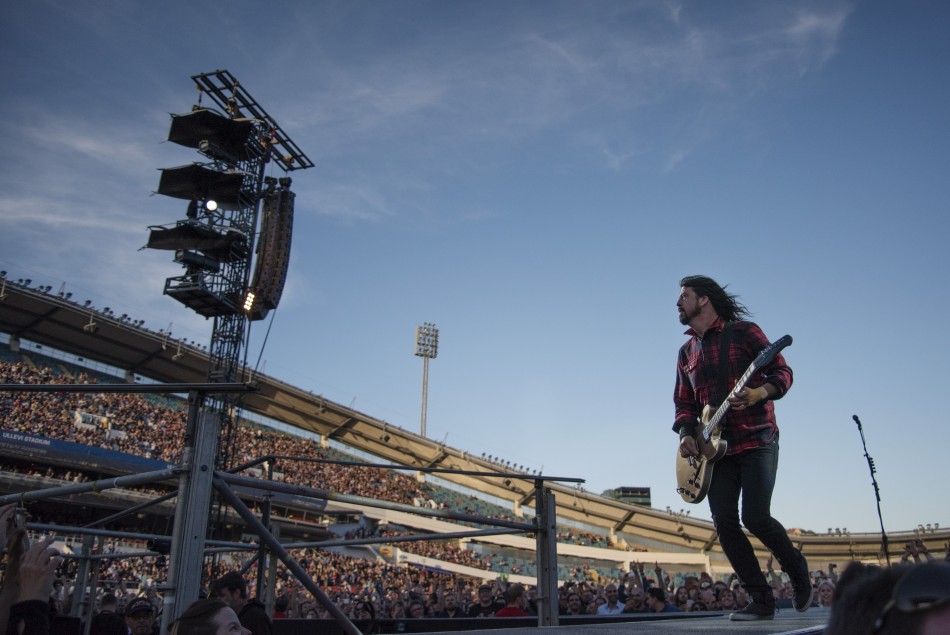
(697, 382)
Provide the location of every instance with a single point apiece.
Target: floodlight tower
(221, 239)
(427, 347)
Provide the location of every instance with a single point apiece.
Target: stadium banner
(32, 447)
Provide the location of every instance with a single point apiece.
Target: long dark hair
(727, 305)
(196, 620)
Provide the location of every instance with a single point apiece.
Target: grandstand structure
(38, 316)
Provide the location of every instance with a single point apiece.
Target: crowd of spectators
(131, 423)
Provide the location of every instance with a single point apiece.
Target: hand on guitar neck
(748, 397)
(739, 400)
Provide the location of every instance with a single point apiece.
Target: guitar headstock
(769, 352)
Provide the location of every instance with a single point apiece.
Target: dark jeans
(752, 474)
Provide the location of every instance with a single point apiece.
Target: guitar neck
(714, 421)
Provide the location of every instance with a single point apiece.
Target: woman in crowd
(681, 598)
(209, 617)
(826, 592)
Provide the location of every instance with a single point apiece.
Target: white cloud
(816, 35)
(350, 202)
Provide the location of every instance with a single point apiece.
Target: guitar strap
(725, 341)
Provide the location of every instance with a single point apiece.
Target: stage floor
(787, 622)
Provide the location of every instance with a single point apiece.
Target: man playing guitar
(721, 345)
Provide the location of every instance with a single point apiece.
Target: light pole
(427, 347)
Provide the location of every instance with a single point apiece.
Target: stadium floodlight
(427, 341)
(427, 347)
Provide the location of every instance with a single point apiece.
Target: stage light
(197, 182)
(219, 137)
(219, 245)
(216, 152)
(249, 302)
(194, 291)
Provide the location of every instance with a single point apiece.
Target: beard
(687, 316)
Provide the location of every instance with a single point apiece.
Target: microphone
(877, 490)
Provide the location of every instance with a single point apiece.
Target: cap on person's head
(139, 605)
(485, 587)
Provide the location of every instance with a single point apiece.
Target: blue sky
(534, 178)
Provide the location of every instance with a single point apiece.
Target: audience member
(656, 600)
(636, 601)
(574, 606)
(612, 606)
(826, 592)
(486, 604)
(28, 581)
(210, 616)
(514, 603)
(140, 616)
(108, 621)
(231, 588)
(281, 606)
(681, 598)
(902, 599)
(417, 609)
(450, 606)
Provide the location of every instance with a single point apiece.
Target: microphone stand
(877, 492)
